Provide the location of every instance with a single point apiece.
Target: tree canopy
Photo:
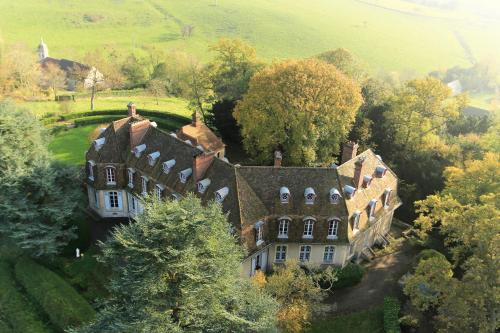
(304, 107)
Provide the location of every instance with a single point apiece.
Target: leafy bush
(429, 253)
(95, 120)
(4, 328)
(409, 321)
(391, 315)
(62, 304)
(349, 276)
(16, 309)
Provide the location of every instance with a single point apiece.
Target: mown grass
(70, 145)
(385, 38)
(369, 321)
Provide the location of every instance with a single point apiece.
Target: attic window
(91, 169)
(225, 159)
(159, 191)
(110, 175)
(372, 205)
(188, 142)
(334, 196)
(387, 197)
(380, 171)
(379, 157)
(367, 180)
(310, 195)
(284, 194)
(349, 191)
(185, 174)
(334, 166)
(259, 233)
(168, 165)
(98, 143)
(221, 194)
(200, 147)
(130, 172)
(153, 157)
(173, 135)
(137, 151)
(355, 221)
(203, 185)
(144, 185)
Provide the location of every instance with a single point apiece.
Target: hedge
(391, 315)
(15, 308)
(62, 304)
(95, 120)
(4, 328)
(75, 115)
(349, 276)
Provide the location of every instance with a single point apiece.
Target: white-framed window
(284, 194)
(380, 171)
(110, 175)
(132, 204)
(144, 185)
(259, 233)
(203, 185)
(280, 253)
(284, 224)
(305, 253)
(91, 165)
(153, 157)
(159, 191)
(96, 198)
(355, 221)
(176, 197)
(308, 228)
(334, 196)
(371, 207)
(113, 200)
(349, 191)
(387, 197)
(130, 173)
(329, 254)
(309, 195)
(168, 165)
(221, 194)
(367, 180)
(185, 174)
(333, 227)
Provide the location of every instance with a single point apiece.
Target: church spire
(43, 50)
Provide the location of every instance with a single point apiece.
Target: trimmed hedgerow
(16, 310)
(163, 115)
(391, 315)
(62, 304)
(85, 114)
(95, 120)
(349, 276)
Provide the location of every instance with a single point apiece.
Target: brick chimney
(358, 172)
(137, 131)
(201, 164)
(196, 119)
(349, 151)
(131, 109)
(277, 159)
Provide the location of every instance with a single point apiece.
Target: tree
(108, 61)
(345, 62)
(19, 72)
(157, 88)
(177, 269)
(53, 78)
(93, 81)
(200, 93)
(304, 107)
(133, 69)
(37, 196)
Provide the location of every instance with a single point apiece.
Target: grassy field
(388, 34)
(70, 146)
(370, 321)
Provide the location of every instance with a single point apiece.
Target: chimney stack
(277, 159)
(131, 109)
(137, 131)
(196, 119)
(201, 163)
(358, 172)
(349, 151)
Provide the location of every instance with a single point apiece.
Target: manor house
(320, 216)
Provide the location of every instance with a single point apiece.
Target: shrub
(349, 276)
(391, 315)
(95, 120)
(4, 328)
(409, 321)
(62, 304)
(429, 253)
(16, 309)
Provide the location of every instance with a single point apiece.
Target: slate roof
(64, 64)
(202, 135)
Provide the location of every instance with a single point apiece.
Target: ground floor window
(329, 254)
(305, 253)
(280, 253)
(113, 200)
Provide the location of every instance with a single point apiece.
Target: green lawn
(70, 146)
(370, 321)
(389, 34)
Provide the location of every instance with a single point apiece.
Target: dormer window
(168, 165)
(284, 224)
(221, 194)
(333, 227)
(91, 165)
(308, 228)
(259, 233)
(130, 173)
(98, 143)
(200, 147)
(367, 180)
(110, 175)
(159, 191)
(153, 157)
(185, 174)
(371, 207)
(203, 185)
(188, 142)
(355, 221)
(284, 194)
(144, 185)
(334, 196)
(349, 191)
(173, 135)
(380, 171)
(387, 197)
(137, 151)
(309, 195)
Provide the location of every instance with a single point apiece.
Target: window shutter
(120, 200)
(106, 200)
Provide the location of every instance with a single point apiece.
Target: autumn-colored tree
(53, 78)
(157, 88)
(108, 61)
(304, 107)
(19, 72)
(345, 61)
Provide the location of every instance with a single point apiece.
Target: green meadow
(389, 35)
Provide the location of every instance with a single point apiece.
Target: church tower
(43, 50)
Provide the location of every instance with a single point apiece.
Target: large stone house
(320, 216)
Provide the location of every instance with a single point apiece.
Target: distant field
(385, 34)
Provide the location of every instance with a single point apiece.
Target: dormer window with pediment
(349, 191)
(380, 171)
(221, 194)
(371, 209)
(110, 175)
(334, 196)
(144, 185)
(387, 197)
(159, 191)
(355, 221)
(137, 151)
(259, 233)
(203, 185)
(130, 173)
(284, 195)
(309, 195)
(185, 174)
(91, 165)
(153, 157)
(168, 165)
(98, 143)
(188, 142)
(367, 180)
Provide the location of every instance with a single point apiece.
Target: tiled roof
(202, 135)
